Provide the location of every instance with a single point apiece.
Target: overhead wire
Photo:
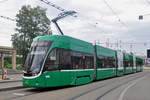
(61, 9)
(8, 18)
(121, 22)
(148, 1)
(55, 6)
(3, 1)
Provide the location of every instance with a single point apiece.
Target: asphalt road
(129, 87)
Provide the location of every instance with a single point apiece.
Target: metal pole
(95, 62)
(58, 28)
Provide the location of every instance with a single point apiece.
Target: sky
(113, 21)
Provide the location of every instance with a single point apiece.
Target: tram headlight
(26, 82)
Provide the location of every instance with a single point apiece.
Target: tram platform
(12, 72)
(13, 81)
(11, 78)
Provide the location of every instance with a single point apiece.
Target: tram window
(89, 62)
(106, 62)
(141, 63)
(128, 63)
(138, 64)
(131, 63)
(67, 59)
(64, 59)
(101, 61)
(51, 61)
(82, 60)
(77, 60)
(125, 63)
(111, 62)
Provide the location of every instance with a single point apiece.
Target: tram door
(52, 73)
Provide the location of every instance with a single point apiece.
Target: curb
(9, 81)
(12, 88)
(12, 73)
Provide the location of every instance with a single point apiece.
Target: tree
(31, 22)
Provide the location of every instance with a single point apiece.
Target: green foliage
(20, 68)
(8, 65)
(18, 60)
(8, 59)
(8, 62)
(31, 22)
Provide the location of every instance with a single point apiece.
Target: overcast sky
(98, 20)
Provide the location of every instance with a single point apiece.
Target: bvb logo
(26, 82)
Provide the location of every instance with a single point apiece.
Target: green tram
(128, 63)
(60, 60)
(139, 64)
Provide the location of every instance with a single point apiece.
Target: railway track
(107, 85)
(110, 84)
(112, 89)
(24, 92)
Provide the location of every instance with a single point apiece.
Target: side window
(138, 63)
(82, 60)
(64, 59)
(51, 62)
(77, 60)
(101, 61)
(131, 65)
(111, 62)
(106, 62)
(89, 62)
(126, 63)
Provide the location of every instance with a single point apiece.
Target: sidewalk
(14, 82)
(12, 78)
(146, 68)
(12, 72)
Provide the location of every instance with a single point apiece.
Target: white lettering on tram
(47, 76)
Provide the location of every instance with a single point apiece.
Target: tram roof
(128, 56)
(139, 59)
(67, 42)
(105, 51)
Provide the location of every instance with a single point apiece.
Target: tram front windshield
(35, 57)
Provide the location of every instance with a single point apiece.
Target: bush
(8, 62)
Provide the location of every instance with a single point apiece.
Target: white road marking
(19, 94)
(126, 89)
